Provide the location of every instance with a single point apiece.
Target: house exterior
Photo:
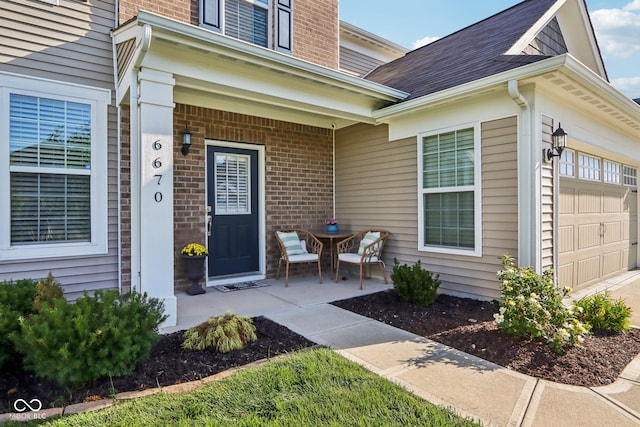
(59, 150)
(293, 115)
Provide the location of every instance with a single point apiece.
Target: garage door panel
(565, 274)
(588, 269)
(611, 262)
(611, 202)
(566, 201)
(589, 201)
(588, 236)
(612, 232)
(566, 239)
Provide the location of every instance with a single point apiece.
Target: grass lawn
(311, 388)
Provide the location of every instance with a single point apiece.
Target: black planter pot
(194, 266)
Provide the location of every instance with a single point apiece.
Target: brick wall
(298, 175)
(125, 197)
(316, 32)
(315, 28)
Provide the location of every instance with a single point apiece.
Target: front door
(232, 198)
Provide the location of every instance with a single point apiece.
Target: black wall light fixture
(559, 140)
(186, 141)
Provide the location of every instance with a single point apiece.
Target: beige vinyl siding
(68, 43)
(548, 254)
(376, 182)
(356, 62)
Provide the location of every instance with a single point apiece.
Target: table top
(338, 235)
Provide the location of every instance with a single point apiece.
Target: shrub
(602, 312)
(95, 337)
(531, 307)
(224, 333)
(18, 300)
(414, 284)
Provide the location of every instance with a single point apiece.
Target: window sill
(56, 250)
(451, 251)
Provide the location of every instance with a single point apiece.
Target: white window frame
(476, 188)
(99, 100)
(611, 172)
(585, 171)
(628, 176)
(220, 27)
(565, 164)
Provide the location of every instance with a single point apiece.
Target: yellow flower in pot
(195, 249)
(193, 255)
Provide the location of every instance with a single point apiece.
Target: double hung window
(53, 169)
(449, 202)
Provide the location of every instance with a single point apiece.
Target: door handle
(209, 225)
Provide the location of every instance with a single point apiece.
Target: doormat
(239, 286)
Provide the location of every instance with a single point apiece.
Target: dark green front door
(232, 197)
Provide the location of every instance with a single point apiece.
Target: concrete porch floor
(303, 291)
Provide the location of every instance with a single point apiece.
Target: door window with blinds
(449, 186)
(249, 20)
(232, 183)
(51, 181)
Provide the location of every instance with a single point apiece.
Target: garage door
(597, 231)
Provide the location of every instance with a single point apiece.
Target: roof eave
(177, 31)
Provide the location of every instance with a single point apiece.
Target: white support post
(156, 189)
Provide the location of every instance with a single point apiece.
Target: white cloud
(428, 39)
(634, 5)
(617, 30)
(628, 85)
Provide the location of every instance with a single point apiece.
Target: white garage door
(597, 231)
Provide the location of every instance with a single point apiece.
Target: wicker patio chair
(363, 248)
(298, 246)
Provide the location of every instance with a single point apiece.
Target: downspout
(118, 142)
(527, 211)
(135, 167)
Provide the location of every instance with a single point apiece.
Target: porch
(303, 291)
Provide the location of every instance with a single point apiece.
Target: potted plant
(193, 255)
(332, 226)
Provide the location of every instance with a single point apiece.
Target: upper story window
(568, 163)
(250, 20)
(449, 183)
(53, 180)
(588, 167)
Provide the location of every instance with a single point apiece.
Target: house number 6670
(157, 163)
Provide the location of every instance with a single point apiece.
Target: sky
(412, 23)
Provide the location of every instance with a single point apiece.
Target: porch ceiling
(215, 71)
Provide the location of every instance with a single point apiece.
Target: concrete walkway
(464, 383)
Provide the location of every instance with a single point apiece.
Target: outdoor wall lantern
(186, 141)
(559, 140)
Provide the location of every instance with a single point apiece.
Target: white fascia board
(202, 38)
(384, 115)
(566, 63)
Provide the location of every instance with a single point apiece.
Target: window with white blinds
(53, 169)
(50, 161)
(449, 186)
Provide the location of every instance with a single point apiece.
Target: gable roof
(477, 51)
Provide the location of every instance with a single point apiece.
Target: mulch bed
(467, 325)
(167, 364)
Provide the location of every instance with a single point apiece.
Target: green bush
(531, 307)
(602, 312)
(224, 333)
(414, 284)
(18, 300)
(95, 337)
